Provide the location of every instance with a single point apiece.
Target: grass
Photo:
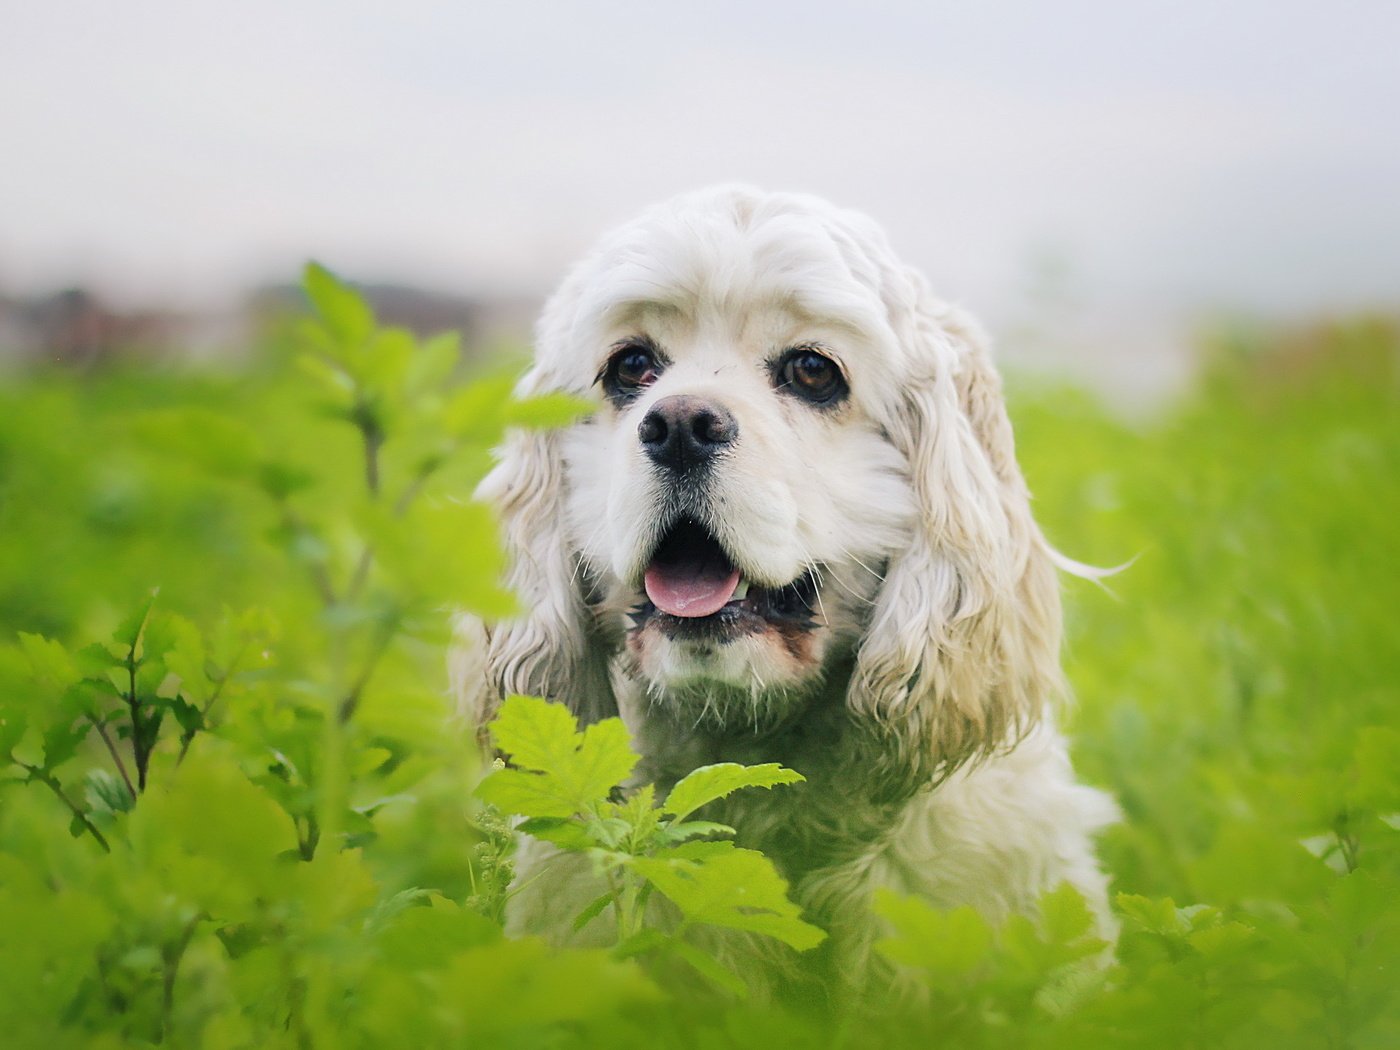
(1237, 689)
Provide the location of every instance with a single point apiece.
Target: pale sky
(1163, 158)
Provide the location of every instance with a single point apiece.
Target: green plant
(241, 815)
(563, 780)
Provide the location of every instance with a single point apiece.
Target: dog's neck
(846, 802)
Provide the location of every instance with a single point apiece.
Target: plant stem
(374, 440)
(306, 844)
(319, 577)
(140, 749)
(116, 755)
(351, 701)
(213, 697)
(171, 954)
(47, 778)
(362, 567)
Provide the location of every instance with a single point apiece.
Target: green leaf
(721, 885)
(477, 412)
(342, 309)
(564, 771)
(1064, 915)
(105, 792)
(130, 631)
(186, 657)
(690, 829)
(61, 740)
(567, 832)
(528, 794)
(220, 444)
(14, 722)
(93, 661)
(594, 909)
(48, 660)
(547, 411)
(535, 733)
(713, 782)
(434, 362)
(710, 968)
(949, 945)
(1376, 768)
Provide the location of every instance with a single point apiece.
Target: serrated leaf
(692, 828)
(391, 907)
(562, 831)
(14, 723)
(130, 631)
(528, 794)
(709, 783)
(343, 310)
(647, 939)
(573, 771)
(95, 660)
(48, 660)
(1154, 914)
(609, 832)
(946, 944)
(1064, 915)
(186, 657)
(735, 888)
(710, 968)
(61, 740)
(594, 909)
(535, 733)
(105, 792)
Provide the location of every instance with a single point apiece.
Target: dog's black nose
(682, 431)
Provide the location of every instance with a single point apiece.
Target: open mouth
(692, 585)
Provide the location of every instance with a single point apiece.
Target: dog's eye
(810, 375)
(629, 370)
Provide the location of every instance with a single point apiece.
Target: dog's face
(800, 461)
(734, 499)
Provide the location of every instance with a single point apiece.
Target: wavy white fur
(919, 701)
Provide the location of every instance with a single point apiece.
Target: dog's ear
(550, 649)
(962, 653)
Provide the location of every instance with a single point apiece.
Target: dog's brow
(630, 311)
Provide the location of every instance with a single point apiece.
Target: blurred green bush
(237, 814)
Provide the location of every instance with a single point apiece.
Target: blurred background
(1179, 221)
(1101, 183)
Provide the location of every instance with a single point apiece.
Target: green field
(237, 815)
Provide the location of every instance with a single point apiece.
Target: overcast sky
(1167, 158)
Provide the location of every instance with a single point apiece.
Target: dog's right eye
(630, 369)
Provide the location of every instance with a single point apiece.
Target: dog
(794, 531)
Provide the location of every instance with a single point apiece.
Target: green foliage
(238, 813)
(565, 781)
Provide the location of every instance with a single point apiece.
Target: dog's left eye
(812, 376)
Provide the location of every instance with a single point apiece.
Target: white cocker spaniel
(794, 532)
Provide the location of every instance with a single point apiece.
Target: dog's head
(801, 464)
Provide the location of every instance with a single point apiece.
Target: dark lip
(793, 606)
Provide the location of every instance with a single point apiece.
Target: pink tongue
(686, 588)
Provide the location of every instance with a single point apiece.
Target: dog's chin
(713, 646)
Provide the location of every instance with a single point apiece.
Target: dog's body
(794, 532)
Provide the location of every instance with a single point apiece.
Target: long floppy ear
(550, 650)
(962, 653)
